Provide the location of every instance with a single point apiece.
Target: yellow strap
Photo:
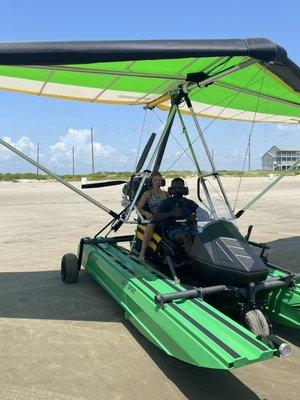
(151, 244)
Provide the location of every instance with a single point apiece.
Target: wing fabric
(141, 72)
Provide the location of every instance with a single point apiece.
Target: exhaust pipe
(284, 349)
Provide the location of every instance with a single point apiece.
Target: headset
(183, 190)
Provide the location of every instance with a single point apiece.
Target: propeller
(163, 145)
(101, 184)
(145, 153)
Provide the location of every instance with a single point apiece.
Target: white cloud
(124, 159)
(182, 154)
(232, 157)
(24, 144)
(80, 139)
(5, 154)
(59, 156)
(289, 130)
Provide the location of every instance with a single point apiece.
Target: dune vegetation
(105, 175)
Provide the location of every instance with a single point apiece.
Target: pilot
(176, 208)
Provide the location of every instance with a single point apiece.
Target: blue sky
(58, 124)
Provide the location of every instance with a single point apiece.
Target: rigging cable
(140, 140)
(249, 140)
(232, 97)
(221, 64)
(182, 148)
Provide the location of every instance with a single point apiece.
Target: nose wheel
(256, 322)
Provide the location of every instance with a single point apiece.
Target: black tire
(256, 322)
(69, 268)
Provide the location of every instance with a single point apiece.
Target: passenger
(152, 198)
(179, 207)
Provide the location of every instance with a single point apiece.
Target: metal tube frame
(184, 130)
(266, 189)
(210, 207)
(191, 85)
(147, 173)
(248, 292)
(211, 161)
(58, 178)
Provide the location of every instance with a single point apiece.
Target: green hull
(192, 331)
(283, 305)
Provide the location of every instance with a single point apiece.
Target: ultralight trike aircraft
(213, 307)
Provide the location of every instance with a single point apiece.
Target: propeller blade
(163, 144)
(145, 153)
(101, 184)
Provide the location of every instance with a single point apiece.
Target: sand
(72, 341)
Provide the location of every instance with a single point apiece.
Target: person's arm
(164, 213)
(143, 200)
(191, 219)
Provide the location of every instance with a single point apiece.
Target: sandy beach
(72, 342)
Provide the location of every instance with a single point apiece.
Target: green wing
(250, 80)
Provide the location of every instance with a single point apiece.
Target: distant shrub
(125, 175)
(27, 175)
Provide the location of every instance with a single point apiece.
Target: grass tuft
(105, 175)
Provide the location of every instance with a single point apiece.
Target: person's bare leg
(146, 240)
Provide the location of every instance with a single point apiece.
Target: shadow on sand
(41, 295)
(286, 253)
(194, 382)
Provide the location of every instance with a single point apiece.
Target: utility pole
(249, 153)
(38, 156)
(92, 144)
(73, 160)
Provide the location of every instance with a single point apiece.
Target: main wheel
(69, 268)
(256, 322)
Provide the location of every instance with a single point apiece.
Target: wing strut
(209, 156)
(265, 190)
(59, 179)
